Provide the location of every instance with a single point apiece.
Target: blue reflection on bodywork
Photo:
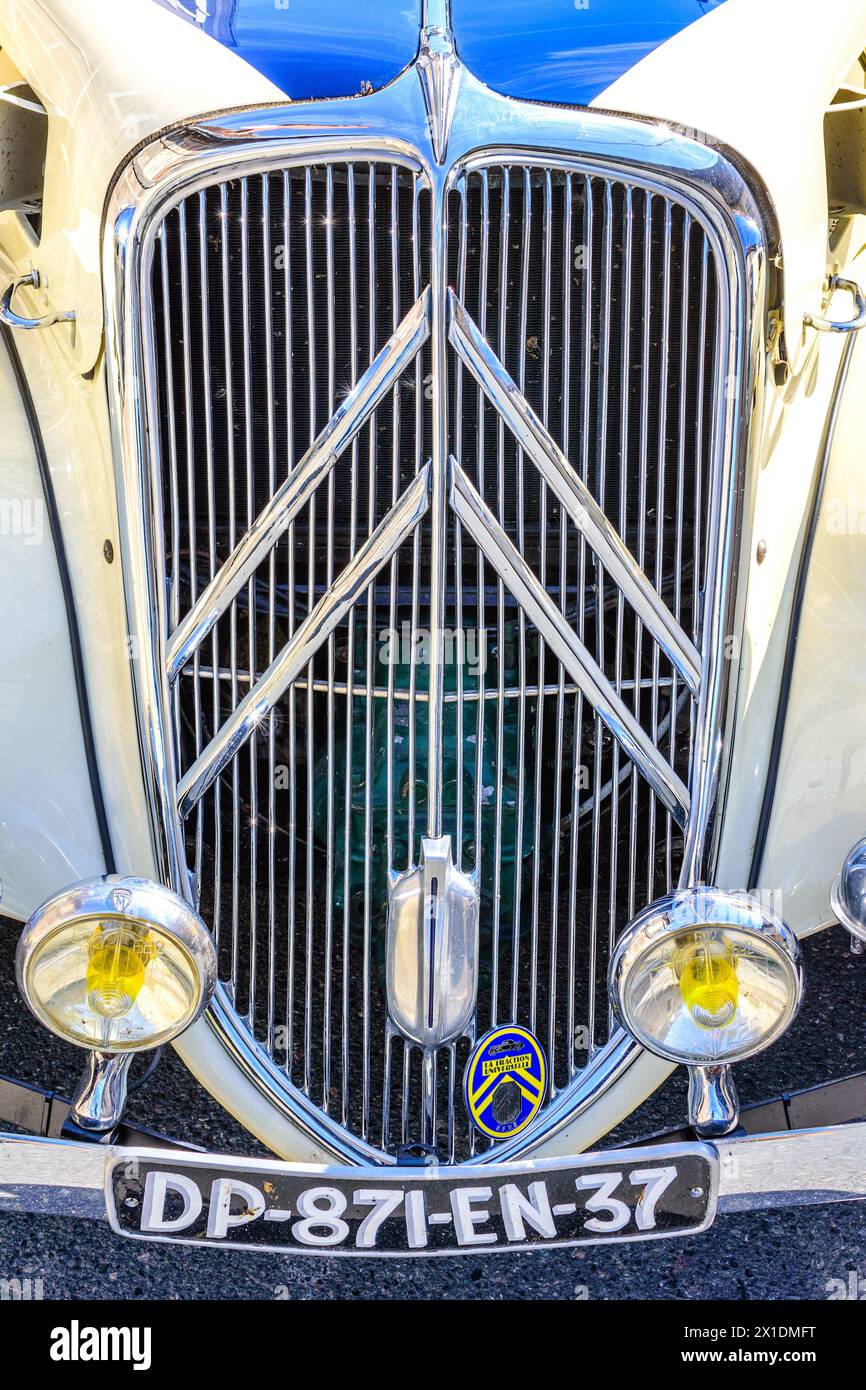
(545, 50)
(564, 50)
(312, 48)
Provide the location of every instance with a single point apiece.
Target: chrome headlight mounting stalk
(706, 977)
(117, 966)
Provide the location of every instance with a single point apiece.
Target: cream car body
(110, 77)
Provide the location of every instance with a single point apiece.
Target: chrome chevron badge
(432, 954)
(439, 71)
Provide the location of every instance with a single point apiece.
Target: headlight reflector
(119, 965)
(706, 977)
(709, 983)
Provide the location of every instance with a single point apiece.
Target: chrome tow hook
(13, 320)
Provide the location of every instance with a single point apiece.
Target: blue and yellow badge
(505, 1081)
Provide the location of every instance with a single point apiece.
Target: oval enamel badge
(505, 1081)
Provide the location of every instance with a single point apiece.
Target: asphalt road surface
(783, 1254)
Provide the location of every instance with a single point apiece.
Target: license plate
(637, 1194)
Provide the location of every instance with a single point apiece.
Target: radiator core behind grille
(271, 294)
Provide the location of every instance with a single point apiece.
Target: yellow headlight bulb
(708, 983)
(118, 957)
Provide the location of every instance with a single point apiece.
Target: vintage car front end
(431, 654)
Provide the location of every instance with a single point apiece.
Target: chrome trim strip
(801, 1168)
(572, 492)
(554, 627)
(318, 625)
(296, 491)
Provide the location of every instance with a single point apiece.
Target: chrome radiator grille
(271, 297)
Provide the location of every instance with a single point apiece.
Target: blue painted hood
(544, 50)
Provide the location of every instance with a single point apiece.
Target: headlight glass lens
(114, 984)
(710, 994)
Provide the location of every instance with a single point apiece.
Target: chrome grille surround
(391, 129)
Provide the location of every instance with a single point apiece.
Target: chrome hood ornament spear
(439, 71)
(432, 972)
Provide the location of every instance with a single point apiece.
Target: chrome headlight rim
(847, 896)
(115, 897)
(689, 910)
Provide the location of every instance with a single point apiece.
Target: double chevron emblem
(441, 484)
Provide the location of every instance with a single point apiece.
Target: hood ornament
(439, 72)
(432, 952)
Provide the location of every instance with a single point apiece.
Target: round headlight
(706, 977)
(116, 964)
(848, 893)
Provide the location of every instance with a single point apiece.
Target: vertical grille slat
(626, 234)
(572, 800)
(267, 312)
(368, 667)
(309, 716)
(348, 953)
(271, 295)
(292, 810)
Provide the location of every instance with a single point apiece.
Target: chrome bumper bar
(794, 1168)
